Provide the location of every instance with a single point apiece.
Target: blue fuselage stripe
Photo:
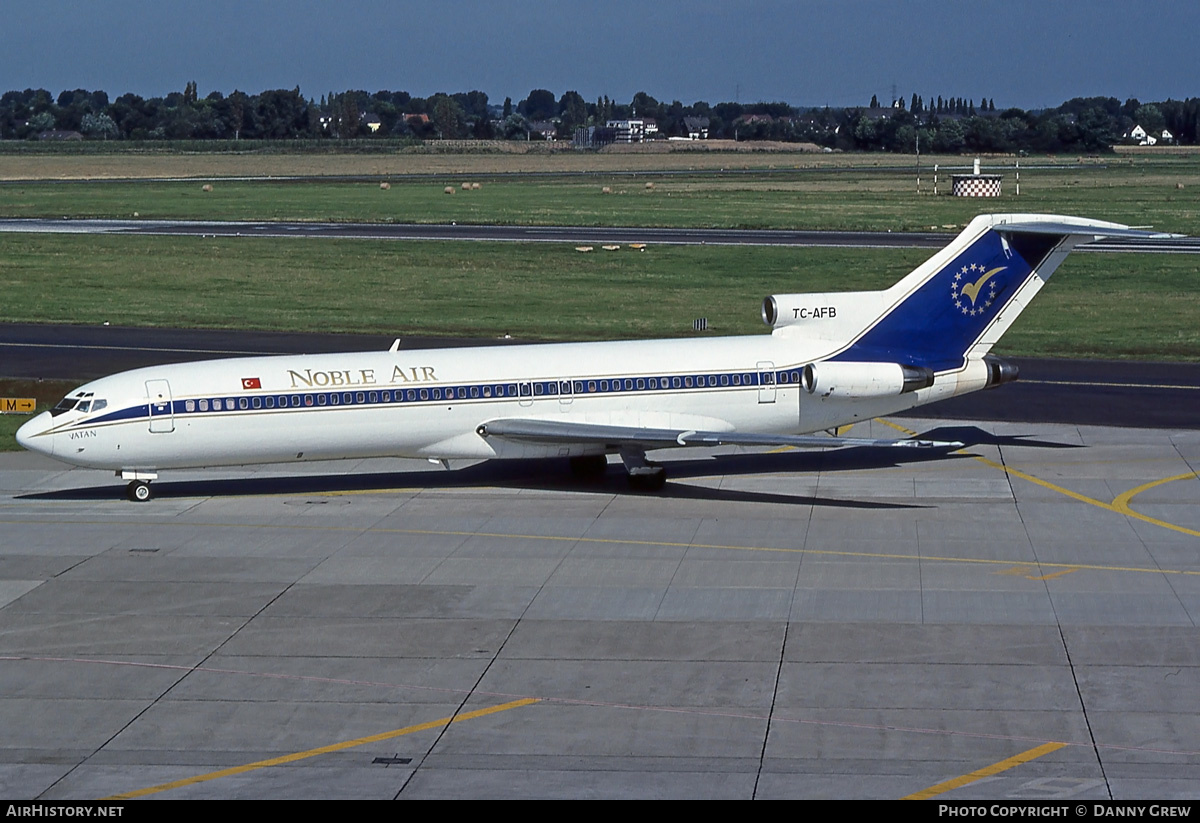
(563, 389)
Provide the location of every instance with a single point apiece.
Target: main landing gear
(649, 482)
(644, 476)
(589, 467)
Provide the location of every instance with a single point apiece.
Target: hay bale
(583, 248)
(466, 186)
(649, 187)
(610, 248)
(385, 185)
(206, 187)
(1179, 186)
(449, 190)
(476, 186)
(606, 190)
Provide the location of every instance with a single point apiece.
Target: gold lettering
(368, 375)
(336, 378)
(308, 381)
(321, 378)
(404, 374)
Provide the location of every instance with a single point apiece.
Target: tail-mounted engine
(780, 310)
(999, 371)
(865, 379)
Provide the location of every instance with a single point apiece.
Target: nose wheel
(138, 491)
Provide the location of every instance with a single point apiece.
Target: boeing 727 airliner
(831, 359)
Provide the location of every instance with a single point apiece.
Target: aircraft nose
(27, 435)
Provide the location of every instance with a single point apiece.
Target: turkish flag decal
(251, 383)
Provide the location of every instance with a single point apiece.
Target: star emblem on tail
(961, 291)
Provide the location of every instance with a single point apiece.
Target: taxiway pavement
(850, 624)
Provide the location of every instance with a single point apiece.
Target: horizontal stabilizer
(1078, 229)
(618, 437)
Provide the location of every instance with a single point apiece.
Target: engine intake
(796, 309)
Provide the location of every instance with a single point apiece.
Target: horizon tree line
(944, 124)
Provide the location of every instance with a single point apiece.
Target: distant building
(751, 119)
(696, 127)
(628, 131)
(544, 128)
(1139, 136)
(594, 137)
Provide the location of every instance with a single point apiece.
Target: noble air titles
(360, 377)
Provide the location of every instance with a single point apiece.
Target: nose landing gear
(138, 489)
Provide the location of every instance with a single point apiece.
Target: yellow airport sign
(17, 405)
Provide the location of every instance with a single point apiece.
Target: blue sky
(1021, 53)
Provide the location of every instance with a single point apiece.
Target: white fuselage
(429, 403)
(831, 359)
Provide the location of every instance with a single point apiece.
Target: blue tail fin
(960, 301)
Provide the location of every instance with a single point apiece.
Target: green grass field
(1108, 305)
(858, 198)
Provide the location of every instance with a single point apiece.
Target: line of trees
(941, 124)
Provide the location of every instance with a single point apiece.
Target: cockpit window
(64, 405)
(81, 402)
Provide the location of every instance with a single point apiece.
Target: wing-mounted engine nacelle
(999, 371)
(865, 379)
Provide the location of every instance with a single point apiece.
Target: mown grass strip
(1133, 306)
(852, 198)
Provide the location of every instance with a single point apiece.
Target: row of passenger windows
(492, 390)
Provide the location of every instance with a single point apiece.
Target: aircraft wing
(626, 437)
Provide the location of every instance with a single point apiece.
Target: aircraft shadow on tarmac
(553, 475)
(974, 436)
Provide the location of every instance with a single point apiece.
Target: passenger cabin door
(766, 381)
(158, 393)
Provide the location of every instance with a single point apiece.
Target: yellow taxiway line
(1119, 504)
(987, 771)
(335, 747)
